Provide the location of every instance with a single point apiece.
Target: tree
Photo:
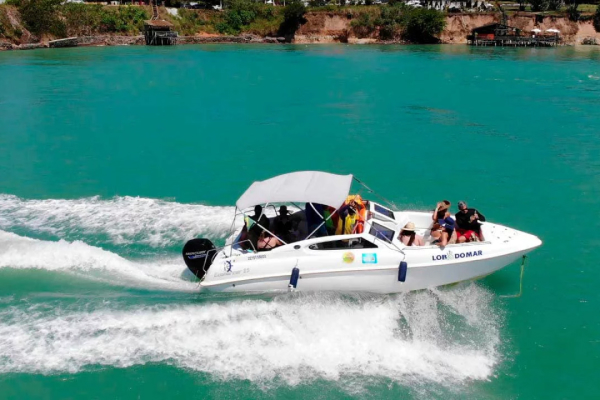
(422, 25)
(572, 11)
(538, 5)
(41, 16)
(293, 17)
(597, 19)
(555, 5)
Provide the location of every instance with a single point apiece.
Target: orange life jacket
(361, 212)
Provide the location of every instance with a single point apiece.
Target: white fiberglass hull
(445, 266)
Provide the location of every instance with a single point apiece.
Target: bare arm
(434, 215)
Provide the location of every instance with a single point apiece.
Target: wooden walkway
(517, 41)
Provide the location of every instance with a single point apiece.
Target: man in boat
(467, 221)
(255, 230)
(315, 219)
(283, 225)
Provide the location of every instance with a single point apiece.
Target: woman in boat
(409, 237)
(443, 224)
(266, 241)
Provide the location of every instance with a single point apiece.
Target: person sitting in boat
(348, 219)
(409, 237)
(443, 224)
(467, 222)
(266, 241)
(351, 216)
(314, 219)
(258, 223)
(283, 225)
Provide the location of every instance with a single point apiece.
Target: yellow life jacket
(347, 224)
(353, 223)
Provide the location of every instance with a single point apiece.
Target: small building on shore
(159, 33)
(499, 34)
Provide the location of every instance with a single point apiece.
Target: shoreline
(325, 28)
(115, 40)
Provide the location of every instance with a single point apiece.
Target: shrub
(363, 25)
(293, 17)
(317, 3)
(390, 22)
(422, 25)
(41, 16)
(189, 21)
(555, 5)
(418, 25)
(82, 19)
(124, 19)
(538, 5)
(573, 13)
(242, 13)
(596, 20)
(87, 19)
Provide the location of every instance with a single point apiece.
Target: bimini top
(301, 187)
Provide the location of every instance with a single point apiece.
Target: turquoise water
(111, 158)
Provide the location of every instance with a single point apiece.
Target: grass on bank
(60, 20)
(6, 28)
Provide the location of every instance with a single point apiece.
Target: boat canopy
(301, 187)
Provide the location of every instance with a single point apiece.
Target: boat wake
(290, 339)
(79, 258)
(448, 336)
(119, 221)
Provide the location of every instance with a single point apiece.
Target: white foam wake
(120, 220)
(291, 339)
(77, 257)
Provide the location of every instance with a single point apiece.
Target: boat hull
(380, 279)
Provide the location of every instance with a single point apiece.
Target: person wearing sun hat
(443, 224)
(409, 237)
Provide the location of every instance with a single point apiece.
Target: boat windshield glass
(381, 232)
(383, 211)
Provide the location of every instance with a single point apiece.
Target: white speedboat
(370, 259)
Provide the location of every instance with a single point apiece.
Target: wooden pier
(158, 32)
(504, 35)
(515, 41)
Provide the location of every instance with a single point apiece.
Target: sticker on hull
(348, 257)
(369, 258)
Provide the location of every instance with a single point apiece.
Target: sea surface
(111, 158)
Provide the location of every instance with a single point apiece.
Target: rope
(389, 202)
(514, 296)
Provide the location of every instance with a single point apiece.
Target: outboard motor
(198, 255)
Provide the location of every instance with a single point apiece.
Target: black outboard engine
(198, 255)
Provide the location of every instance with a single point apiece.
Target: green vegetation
(293, 17)
(53, 18)
(398, 21)
(84, 19)
(596, 20)
(573, 12)
(189, 22)
(242, 13)
(42, 16)
(364, 25)
(538, 5)
(6, 29)
(555, 5)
